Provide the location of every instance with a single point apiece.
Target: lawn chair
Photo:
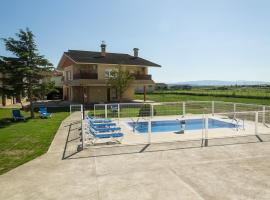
(16, 115)
(98, 120)
(94, 136)
(44, 113)
(114, 108)
(106, 129)
(105, 124)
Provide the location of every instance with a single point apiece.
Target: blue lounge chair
(16, 115)
(109, 124)
(114, 108)
(97, 120)
(106, 129)
(44, 113)
(113, 136)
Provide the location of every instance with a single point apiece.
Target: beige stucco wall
(129, 94)
(8, 101)
(97, 94)
(97, 91)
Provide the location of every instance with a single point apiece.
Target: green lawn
(257, 92)
(194, 108)
(169, 97)
(24, 141)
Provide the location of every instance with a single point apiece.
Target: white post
(118, 110)
(152, 110)
(263, 115)
(256, 122)
(82, 112)
(234, 110)
(82, 127)
(149, 130)
(70, 109)
(106, 111)
(206, 131)
(95, 110)
(184, 108)
(213, 108)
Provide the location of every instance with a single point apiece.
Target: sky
(191, 39)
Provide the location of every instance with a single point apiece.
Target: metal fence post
(213, 108)
(152, 110)
(82, 127)
(263, 115)
(106, 110)
(184, 108)
(256, 122)
(234, 109)
(206, 131)
(118, 111)
(149, 130)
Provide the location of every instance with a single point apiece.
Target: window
(68, 76)
(108, 73)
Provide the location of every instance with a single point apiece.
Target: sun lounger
(16, 115)
(44, 113)
(114, 108)
(97, 120)
(94, 136)
(106, 129)
(109, 124)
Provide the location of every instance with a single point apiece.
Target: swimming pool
(174, 125)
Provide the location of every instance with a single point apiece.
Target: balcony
(142, 76)
(85, 76)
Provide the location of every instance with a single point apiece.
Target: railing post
(82, 126)
(213, 108)
(234, 109)
(149, 130)
(95, 110)
(152, 110)
(263, 115)
(206, 131)
(184, 108)
(256, 122)
(118, 111)
(106, 111)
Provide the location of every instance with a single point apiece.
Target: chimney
(103, 48)
(136, 52)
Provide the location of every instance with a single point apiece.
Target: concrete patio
(231, 168)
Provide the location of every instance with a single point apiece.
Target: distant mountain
(219, 83)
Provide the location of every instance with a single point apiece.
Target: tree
(27, 69)
(120, 80)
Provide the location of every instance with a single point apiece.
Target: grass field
(24, 141)
(257, 92)
(172, 97)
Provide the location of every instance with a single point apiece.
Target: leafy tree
(27, 69)
(44, 88)
(120, 80)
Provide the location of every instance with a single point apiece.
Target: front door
(108, 94)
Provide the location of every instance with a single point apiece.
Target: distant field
(241, 92)
(171, 97)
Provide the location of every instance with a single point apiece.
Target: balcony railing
(85, 76)
(142, 76)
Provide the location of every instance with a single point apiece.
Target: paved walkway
(221, 171)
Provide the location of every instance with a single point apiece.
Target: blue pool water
(174, 125)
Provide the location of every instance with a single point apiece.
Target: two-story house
(86, 74)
